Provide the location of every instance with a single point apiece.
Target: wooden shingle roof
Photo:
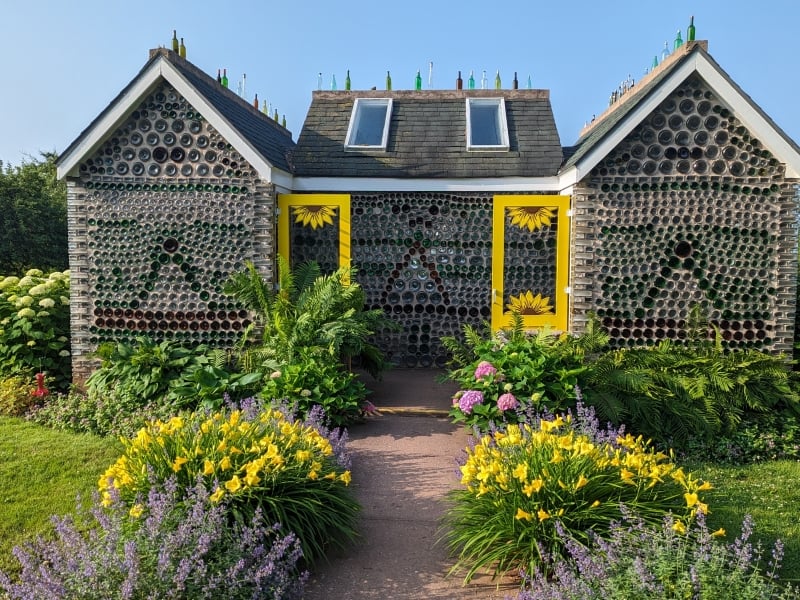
(427, 137)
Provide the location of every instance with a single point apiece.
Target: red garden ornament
(40, 390)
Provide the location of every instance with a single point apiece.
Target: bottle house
(454, 206)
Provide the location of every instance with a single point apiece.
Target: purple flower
(484, 369)
(469, 399)
(507, 402)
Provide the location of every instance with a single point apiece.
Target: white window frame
(355, 116)
(500, 104)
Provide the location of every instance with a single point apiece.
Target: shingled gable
(258, 138)
(427, 137)
(601, 137)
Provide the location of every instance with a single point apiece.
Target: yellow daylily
(178, 463)
(217, 495)
(523, 515)
(234, 484)
(542, 514)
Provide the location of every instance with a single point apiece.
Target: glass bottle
(333, 82)
(275, 116)
(515, 83)
(264, 108)
(690, 33)
(655, 62)
(497, 83)
(219, 76)
(665, 51)
(175, 45)
(182, 49)
(459, 82)
(224, 77)
(471, 81)
(484, 81)
(388, 80)
(678, 40)
(347, 81)
(417, 81)
(530, 83)
(255, 102)
(283, 122)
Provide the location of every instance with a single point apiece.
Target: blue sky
(65, 61)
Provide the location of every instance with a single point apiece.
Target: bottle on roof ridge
(459, 82)
(224, 77)
(388, 81)
(175, 46)
(678, 40)
(497, 83)
(182, 49)
(418, 81)
(690, 32)
(333, 82)
(471, 81)
(347, 81)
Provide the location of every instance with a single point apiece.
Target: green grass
(42, 472)
(770, 493)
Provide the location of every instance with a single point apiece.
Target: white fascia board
(218, 121)
(745, 110)
(381, 184)
(624, 127)
(282, 179)
(162, 68)
(118, 113)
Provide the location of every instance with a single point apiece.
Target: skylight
(369, 123)
(486, 124)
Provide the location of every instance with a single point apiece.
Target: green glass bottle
(275, 116)
(417, 81)
(655, 62)
(283, 122)
(388, 81)
(347, 81)
(175, 45)
(497, 83)
(690, 33)
(224, 77)
(530, 83)
(471, 81)
(182, 49)
(678, 40)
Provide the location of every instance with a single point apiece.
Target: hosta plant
(318, 381)
(519, 482)
(34, 326)
(504, 374)
(250, 459)
(174, 543)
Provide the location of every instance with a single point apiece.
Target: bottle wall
(688, 210)
(169, 213)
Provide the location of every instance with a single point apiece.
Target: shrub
(34, 326)
(673, 392)
(16, 395)
(99, 414)
(638, 561)
(503, 374)
(144, 372)
(169, 545)
(318, 381)
(521, 481)
(325, 314)
(252, 460)
(758, 438)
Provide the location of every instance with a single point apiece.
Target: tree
(33, 217)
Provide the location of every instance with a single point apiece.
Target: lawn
(42, 471)
(767, 491)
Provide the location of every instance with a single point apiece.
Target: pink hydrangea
(469, 399)
(507, 402)
(483, 369)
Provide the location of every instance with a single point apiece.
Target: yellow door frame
(501, 317)
(318, 211)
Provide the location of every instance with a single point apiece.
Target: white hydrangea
(43, 314)
(62, 338)
(34, 273)
(31, 343)
(38, 290)
(64, 353)
(26, 282)
(64, 300)
(26, 313)
(47, 303)
(8, 282)
(24, 301)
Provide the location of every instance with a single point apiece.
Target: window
(369, 123)
(486, 124)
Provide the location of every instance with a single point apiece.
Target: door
(530, 258)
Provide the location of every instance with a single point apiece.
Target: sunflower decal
(532, 217)
(314, 215)
(528, 304)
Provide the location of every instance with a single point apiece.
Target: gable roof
(620, 119)
(427, 137)
(257, 137)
